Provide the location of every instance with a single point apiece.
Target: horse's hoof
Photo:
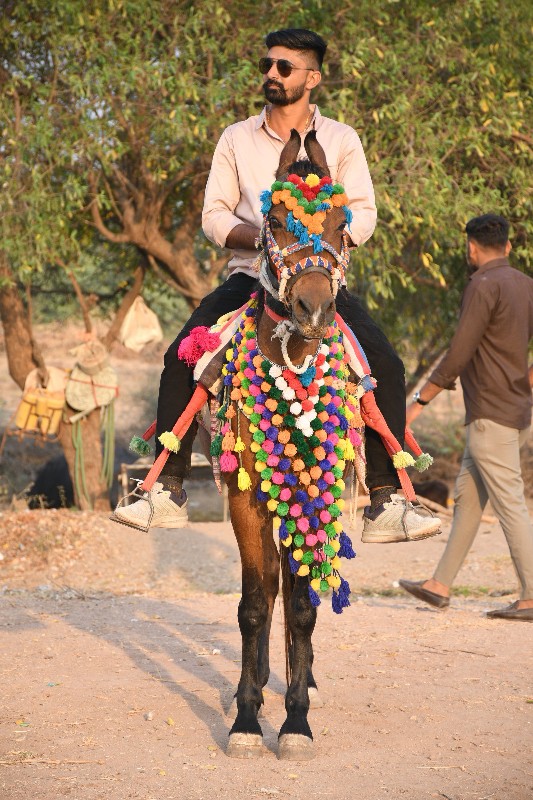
(315, 701)
(233, 710)
(245, 745)
(295, 747)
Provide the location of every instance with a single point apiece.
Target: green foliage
(121, 102)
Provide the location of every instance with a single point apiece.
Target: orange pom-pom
(290, 450)
(313, 490)
(230, 412)
(305, 478)
(320, 453)
(315, 472)
(297, 464)
(277, 420)
(284, 437)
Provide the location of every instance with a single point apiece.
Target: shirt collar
(314, 123)
(503, 261)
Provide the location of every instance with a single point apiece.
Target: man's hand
(242, 237)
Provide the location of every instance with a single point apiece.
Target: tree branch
(127, 302)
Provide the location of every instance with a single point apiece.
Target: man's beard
(279, 96)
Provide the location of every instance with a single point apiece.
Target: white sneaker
(400, 521)
(154, 509)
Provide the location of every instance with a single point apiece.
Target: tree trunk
(22, 353)
(85, 461)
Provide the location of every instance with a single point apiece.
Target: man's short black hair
(298, 39)
(488, 230)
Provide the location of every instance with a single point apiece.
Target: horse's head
(304, 217)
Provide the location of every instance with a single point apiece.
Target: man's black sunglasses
(284, 67)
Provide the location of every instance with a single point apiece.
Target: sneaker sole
(389, 537)
(171, 522)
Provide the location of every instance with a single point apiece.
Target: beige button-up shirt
(245, 162)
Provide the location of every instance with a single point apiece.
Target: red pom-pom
(199, 341)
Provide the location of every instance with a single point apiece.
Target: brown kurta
(489, 350)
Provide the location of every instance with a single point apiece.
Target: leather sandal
(415, 588)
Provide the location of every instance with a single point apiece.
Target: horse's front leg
(245, 737)
(271, 586)
(295, 737)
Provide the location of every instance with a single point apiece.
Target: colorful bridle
(308, 203)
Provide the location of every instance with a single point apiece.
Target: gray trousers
(490, 470)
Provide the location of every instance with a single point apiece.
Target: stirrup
(136, 493)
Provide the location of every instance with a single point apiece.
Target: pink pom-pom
(264, 424)
(278, 478)
(303, 524)
(228, 462)
(333, 438)
(322, 536)
(311, 539)
(334, 419)
(249, 373)
(294, 510)
(337, 401)
(325, 516)
(199, 341)
(272, 461)
(333, 458)
(268, 446)
(254, 390)
(285, 495)
(258, 408)
(328, 498)
(329, 477)
(320, 555)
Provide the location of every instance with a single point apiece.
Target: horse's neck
(298, 348)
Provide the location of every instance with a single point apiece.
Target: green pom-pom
(290, 525)
(324, 586)
(308, 557)
(423, 461)
(299, 540)
(140, 446)
(283, 509)
(328, 550)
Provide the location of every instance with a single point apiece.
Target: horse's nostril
(303, 307)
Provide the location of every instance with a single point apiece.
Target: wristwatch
(417, 399)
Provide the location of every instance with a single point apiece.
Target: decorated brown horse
(294, 392)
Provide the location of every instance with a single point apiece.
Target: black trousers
(176, 386)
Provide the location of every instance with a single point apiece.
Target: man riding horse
(245, 161)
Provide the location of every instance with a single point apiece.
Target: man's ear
(313, 80)
(508, 248)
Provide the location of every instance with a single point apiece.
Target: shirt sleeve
(476, 311)
(354, 175)
(222, 193)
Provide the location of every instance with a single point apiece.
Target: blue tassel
(308, 377)
(317, 243)
(290, 222)
(304, 236)
(346, 550)
(266, 201)
(313, 597)
(349, 215)
(293, 564)
(340, 598)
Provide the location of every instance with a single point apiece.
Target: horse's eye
(341, 226)
(275, 223)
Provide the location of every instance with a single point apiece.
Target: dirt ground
(119, 654)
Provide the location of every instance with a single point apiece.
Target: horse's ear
(289, 154)
(315, 151)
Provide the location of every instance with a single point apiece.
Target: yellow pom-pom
(247, 410)
(349, 453)
(243, 480)
(272, 504)
(303, 570)
(229, 354)
(348, 414)
(341, 463)
(315, 584)
(335, 562)
(170, 441)
(337, 526)
(298, 554)
(239, 445)
(335, 544)
(340, 483)
(312, 179)
(255, 447)
(265, 486)
(276, 522)
(341, 503)
(334, 581)
(288, 541)
(259, 466)
(402, 460)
